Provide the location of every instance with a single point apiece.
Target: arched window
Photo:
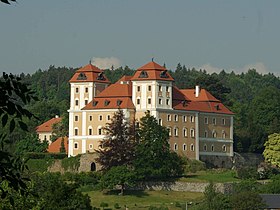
(223, 134)
(192, 147)
(224, 148)
(176, 130)
(184, 147)
(175, 147)
(192, 133)
(76, 145)
(89, 130)
(214, 134)
(185, 132)
(205, 147)
(92, 166)
(76, 131)
(205, 134)
(169, 130)
(212, 148)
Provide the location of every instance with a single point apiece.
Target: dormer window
(82, 76)
(94, 103)
(119, 102)
(106, 103)
(143, 74)
(163, 74)
(100, 76)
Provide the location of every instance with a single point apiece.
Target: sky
(211, 35)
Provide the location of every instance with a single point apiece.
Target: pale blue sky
(216, 34)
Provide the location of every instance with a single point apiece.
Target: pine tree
(118, 146)
(62, 146)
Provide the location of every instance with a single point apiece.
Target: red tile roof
(152, 71)
(204, 95)
(116, 90)
(54, 147)
(110, 103)
(47, 126)
(89, 73)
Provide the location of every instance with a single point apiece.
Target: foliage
(153, 156)
(40, 155)
(71, 163)
(119, 144)
(30, 143)
(54, 193)
(62, 146)
(272, 149)
(193, 166)
(247, 173)
(118, 175)
(14, 95)
(39, 165)
(247, 200)
(83, 178)
(272, 187)
(246, 185)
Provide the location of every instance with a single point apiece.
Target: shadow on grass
(135, 193)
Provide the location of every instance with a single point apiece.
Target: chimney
(197, 90)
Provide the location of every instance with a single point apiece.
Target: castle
(198, 123)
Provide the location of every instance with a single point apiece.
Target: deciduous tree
(272, 149)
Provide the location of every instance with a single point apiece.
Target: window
(76, 118)
(176, 131)
(77, 102)
(76, 131)
(192, 133)
(214, 134)
(138, 88)
(160, 121)
(224, 148)
(205, 134)
(185, 132)
(149, 88)
(167, 101)
(168, 117)
(184, 118)
(167, 88)
(86, 90)
(76, 145)
(205, 120)
(99, 131)
(192, 119)
(223, 121)
(184, 147)
(138, 101)
(77, 90)
(212, 148)
(100, 117)
(160, 101)
(149, 101)
(159, 88)
(86, 102)
(214, 121)
(223, 134)
(175, 117)
(45, 137)
(90, 131)
(205, 147)
(169, 131)
(108, 117)
(91, 146)
(192, 147)
(175, 147)
(90, 118)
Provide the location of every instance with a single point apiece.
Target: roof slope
(152, 71)
(54, 147)
(204, 95)
(47, 126)
(89, 73)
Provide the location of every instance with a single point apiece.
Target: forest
(253, 97)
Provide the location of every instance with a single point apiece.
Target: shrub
(194, 166)
(42, 155)
(72, 163)
(117, 206)
(247, 173)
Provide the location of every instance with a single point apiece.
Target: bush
(72, 163)
(247, 173)
(194, 166)
(44, 155)
(40, 165)
(117, 206)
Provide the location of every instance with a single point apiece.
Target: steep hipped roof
(152, 71)
(110, 103)
(89, 73)
(203, 95)
(116, 90)
(54, 147)
(47, 126)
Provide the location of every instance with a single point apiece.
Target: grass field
(211, 175)
(145, 199)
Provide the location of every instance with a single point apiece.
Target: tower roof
(89, 73)
(152, 71)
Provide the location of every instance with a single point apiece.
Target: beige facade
(198, 123)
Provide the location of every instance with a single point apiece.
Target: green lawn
(211, 175)
(145, 199)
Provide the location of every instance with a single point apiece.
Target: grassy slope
(144, 199)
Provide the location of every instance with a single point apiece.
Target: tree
(31, 143)
(118, 146)
(247, 200)
(118, 175)
(153, 156)
(272, 149)
(14, 95)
